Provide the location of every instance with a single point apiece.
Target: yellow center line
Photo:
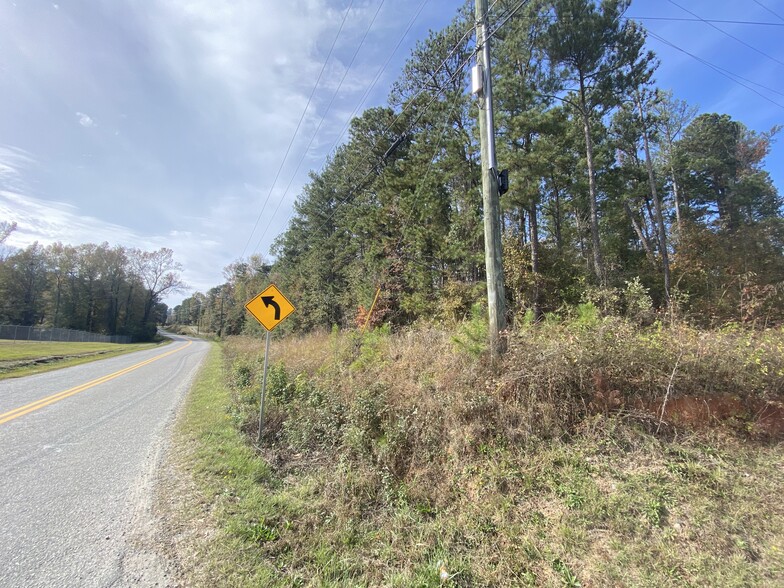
(33, 406)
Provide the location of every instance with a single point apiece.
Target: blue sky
(163, 123)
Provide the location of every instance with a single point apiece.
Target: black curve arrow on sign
(270, 301)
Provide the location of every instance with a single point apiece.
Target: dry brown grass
(394, 456)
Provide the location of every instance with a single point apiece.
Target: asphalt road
(77, 465)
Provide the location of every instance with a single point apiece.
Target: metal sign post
(263, 389)
(269, 308)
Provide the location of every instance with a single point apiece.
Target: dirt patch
(769, 421)
(758, 418)
(762, 419)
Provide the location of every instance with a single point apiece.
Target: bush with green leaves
(471, 334)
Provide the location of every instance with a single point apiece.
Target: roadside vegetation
(631, 436)
(620, 193)
(596, 453)
(94, 288)
(24, 358)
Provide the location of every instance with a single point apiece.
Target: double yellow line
(33, 406)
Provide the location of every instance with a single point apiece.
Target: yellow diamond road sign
(270, 307)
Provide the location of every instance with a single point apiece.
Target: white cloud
(86, 120)
(255, 62)
(13, 163)
(250, 68)
(49, 222)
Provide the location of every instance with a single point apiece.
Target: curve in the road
(38, 404)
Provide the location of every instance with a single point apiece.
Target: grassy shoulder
(24, 358)
(409, 460)
(223, 481)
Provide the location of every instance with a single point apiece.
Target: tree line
(620, 194)
(221, 309)
(96, 288)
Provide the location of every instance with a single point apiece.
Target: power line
(408, 104)
(713, 65)
(776, 14)
(411, 101)
(318, 128)
(706, 20)
(373, 84)
(731, 36)
(296, 130)
(716, 68)
(410, 127)
(509, 15)
(684, 19)
(377, 77)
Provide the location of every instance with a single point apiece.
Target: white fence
(23, 333)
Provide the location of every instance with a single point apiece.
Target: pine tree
(599, 57)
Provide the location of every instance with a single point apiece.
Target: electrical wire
(377, 78)
(299, 124)
(707, 20)
(408, 104)
(374, 168)
(459, 69)
(509, 15)
(716, 68)
(776, 14)
(390, 125)
(731, 36)
(321, 121)
(704, 61)
(723, 71)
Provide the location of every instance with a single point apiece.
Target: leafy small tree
(158, 273)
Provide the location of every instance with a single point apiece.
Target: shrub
(471, 337)
(638, 303)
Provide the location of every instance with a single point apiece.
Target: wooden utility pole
(496, 302)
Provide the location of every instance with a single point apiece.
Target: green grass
(229, 479)
(23, 358)
(411, 471)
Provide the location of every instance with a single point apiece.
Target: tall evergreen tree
(600, 58)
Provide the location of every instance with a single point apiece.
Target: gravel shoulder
(176, 520)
